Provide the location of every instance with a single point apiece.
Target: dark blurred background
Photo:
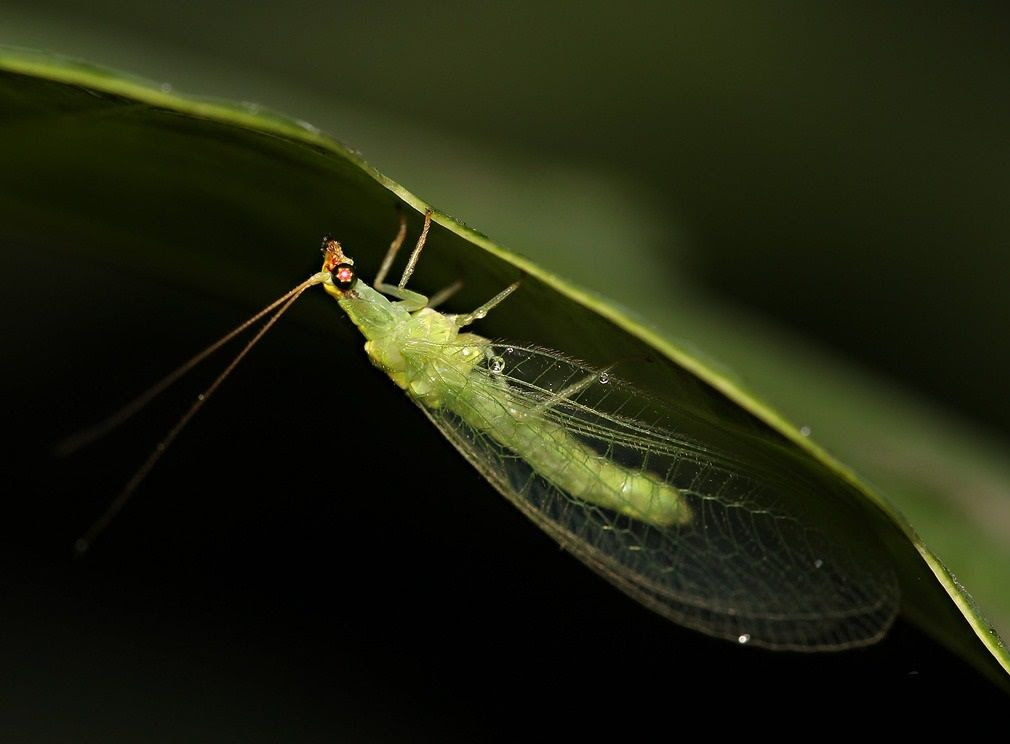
(837, 170)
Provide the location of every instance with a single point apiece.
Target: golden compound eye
(344, 276)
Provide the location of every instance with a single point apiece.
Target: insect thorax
(427, 356)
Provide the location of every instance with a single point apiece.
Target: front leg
(408, 299)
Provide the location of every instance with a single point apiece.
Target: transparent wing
(750, 565)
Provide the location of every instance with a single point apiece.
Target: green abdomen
(563, 460)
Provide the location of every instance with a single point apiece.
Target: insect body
(425, 353)
(686, 529)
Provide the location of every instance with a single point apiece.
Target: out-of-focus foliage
(154, 151)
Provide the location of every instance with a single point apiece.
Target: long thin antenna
(84, 542)
(93, 433)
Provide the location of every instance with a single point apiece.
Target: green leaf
(220, 200)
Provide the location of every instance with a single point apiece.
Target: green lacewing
(621, 479)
